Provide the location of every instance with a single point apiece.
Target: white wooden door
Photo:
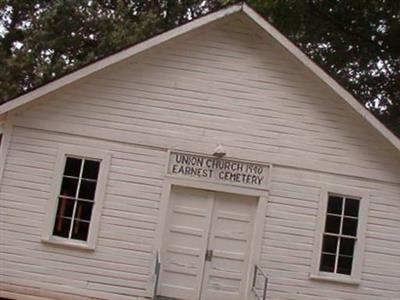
(184, 243)
(200, 220)
(229, 240)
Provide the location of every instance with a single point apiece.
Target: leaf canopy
(357, 42)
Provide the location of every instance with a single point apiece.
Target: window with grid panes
(340, 235)
(76, 198)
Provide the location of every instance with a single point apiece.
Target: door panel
(182, 257)
(198, 221)
(229, 239)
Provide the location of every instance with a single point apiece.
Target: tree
(355, 41)
(42, 40)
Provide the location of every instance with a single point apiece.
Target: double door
(206, 245)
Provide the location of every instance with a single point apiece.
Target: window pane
(327, 263)
(84, 210)
(344, 265)
(72, 166)
(80, 230)
(332, 224)
(61, 227)
(335, 205)
(91, 169)
(87, 189)
(346, 246)
(65, 207)
(69, 187)
(330, 244)
(79, 181)
(349, 226)
(351, 207)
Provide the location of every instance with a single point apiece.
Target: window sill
(67, 243)
(335, 278)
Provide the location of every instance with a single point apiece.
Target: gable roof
(159, 39)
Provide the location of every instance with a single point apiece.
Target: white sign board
(218, 169)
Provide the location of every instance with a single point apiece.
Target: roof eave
(117, 57)
(157, 40)
(318, 71)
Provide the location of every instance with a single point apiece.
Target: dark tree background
(357, 41)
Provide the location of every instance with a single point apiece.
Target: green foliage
(43, 40)
(356, 41)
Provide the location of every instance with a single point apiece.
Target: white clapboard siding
(122, 261)
(223, 83)
(289, 238)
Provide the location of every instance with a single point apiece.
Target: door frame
(261, 196)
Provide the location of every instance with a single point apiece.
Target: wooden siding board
(223, 86)
(380, 260)
(123, 258)
(320, 148)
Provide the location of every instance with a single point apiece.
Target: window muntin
(340, 235)
(76, 198)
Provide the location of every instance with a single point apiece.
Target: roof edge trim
(117, 57)
(326, 78)
(163, 37)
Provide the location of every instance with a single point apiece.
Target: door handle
(209, 255)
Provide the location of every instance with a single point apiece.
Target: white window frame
(86, 153)
(358, 256)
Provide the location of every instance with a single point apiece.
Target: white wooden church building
(195, 165)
